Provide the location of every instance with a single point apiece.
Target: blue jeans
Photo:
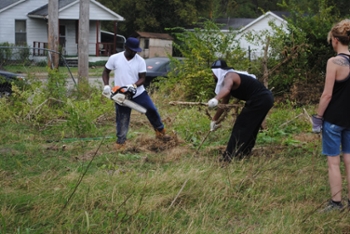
(334, 136)
(123, 116)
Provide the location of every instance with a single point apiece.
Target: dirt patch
(8, 151)
(146, 143)
(307, 137)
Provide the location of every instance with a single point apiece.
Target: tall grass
(59, 173)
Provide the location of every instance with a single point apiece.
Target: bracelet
(135, 86)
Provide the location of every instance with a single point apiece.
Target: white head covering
(221, 73)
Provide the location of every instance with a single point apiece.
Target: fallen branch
(177, 195)
(308, 116)
(285, 123)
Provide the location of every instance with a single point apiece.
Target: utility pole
(83, 43)
(53, 60)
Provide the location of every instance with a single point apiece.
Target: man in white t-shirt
(130, 70)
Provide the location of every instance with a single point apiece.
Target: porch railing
(104, 49)
(38, 48)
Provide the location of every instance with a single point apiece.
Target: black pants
(247, 125)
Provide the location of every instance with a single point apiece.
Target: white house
(243, 26)
(259, 25)
(24, 22)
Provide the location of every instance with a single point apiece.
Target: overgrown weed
(155, 187)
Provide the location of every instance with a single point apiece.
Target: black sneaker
(332, 206)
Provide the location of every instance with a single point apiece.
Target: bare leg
(346, 158)
(334, 175)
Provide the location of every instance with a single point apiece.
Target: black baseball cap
(220, 63)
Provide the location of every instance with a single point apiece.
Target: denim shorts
(334, 136)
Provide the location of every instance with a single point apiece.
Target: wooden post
(83, 43)
(53, 38)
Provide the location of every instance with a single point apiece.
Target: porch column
(115, 38)
(97, 47)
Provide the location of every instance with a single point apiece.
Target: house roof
(5, 4)
(267, 14)
(42, 12)
(226, 24)
(232, 23)
(282, 14)
(164, 36)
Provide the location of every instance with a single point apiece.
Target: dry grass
(166, 187)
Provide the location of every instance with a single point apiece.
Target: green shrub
(201, 47)
(98, 63)
(5, 52)
(42, 63)
(56, 86)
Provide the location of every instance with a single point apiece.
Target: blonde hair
(341, 31)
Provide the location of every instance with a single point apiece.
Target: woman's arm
(326, 96)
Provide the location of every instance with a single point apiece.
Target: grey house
(24, 22)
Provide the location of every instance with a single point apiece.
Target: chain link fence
(23, 63)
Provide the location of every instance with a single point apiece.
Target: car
(6, 81)
(158, 67)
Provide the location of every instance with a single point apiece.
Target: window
(146, 43)
(20, 32)
(77, 31)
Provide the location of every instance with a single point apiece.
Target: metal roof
(164, 36)
(233, 23)
(43, 11)
(6, 3)
(282, 14)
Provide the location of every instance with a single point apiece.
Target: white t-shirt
(126, 72)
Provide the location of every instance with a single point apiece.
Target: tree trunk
(264, 62)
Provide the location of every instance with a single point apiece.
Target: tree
(155, 15)
(313, 26)
(299, 53)
(201, 47)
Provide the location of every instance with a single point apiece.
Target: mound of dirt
(147, 143)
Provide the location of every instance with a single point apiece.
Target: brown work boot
(161, 135)
(120, 147)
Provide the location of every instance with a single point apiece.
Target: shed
(154, 44)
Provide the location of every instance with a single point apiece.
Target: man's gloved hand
(213, 102)
(106, 90)
(131, 88)
(214, 126)
(317, 124)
